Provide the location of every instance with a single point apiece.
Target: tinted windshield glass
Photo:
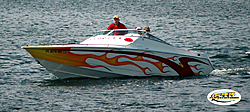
(126, 32)
(101, 33)
(119, 33)
(155, 38)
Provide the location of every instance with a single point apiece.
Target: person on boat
(147, 29)
(116, 24)
(138, 28)
(139, 32)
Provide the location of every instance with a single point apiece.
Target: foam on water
(235, 71)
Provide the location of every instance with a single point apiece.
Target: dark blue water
(220, 28)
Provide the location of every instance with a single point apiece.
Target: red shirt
(119, 26)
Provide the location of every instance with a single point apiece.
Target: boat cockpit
(132, 33)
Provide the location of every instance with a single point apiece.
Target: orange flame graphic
(114, 61)
(72, 59)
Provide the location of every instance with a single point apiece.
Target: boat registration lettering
(105, 38)
(55, 51)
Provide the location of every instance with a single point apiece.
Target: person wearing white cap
(138, 28)
(116, 24)
(139, 32)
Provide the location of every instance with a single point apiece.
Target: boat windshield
(132, 32)
(101, 33)
(119, 32)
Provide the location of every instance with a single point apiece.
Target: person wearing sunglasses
(116, 24)
(147, 29)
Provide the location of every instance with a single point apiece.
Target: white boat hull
(66, 71)
(99, 62)
(120, 53)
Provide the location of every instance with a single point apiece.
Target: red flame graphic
(69, 58)
(182, 69)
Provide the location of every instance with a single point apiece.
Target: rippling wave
(217, 27)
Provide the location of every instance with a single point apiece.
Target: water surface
(219, 28)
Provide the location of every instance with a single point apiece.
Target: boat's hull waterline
(120, 53)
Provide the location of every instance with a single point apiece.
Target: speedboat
(120, 53)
